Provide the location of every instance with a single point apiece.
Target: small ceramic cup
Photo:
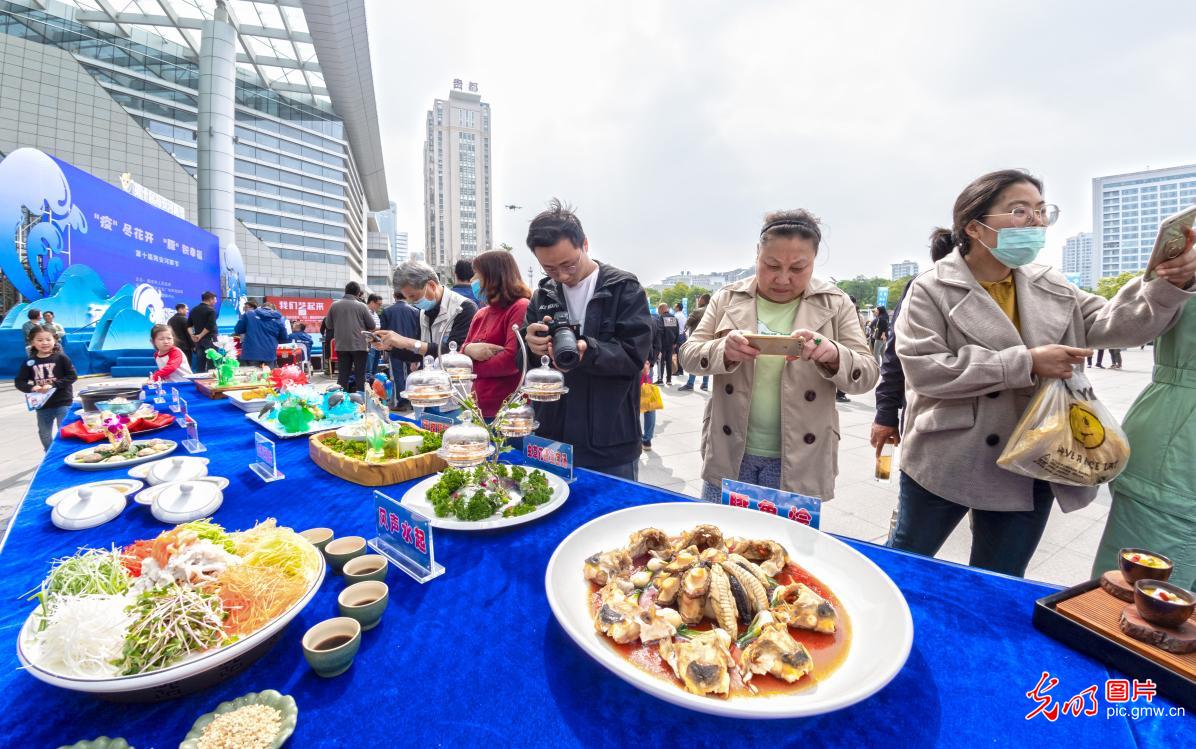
(1135, 571)
(1170, 613)
(331, 645)
(340, 550)
(366, 567)
(319, 537)
(364, 602)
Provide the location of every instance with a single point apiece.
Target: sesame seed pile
(249, 727)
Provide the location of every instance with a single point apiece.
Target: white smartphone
(1171, 239)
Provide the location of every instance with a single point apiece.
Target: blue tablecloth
(476, 655)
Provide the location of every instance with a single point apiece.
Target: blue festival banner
(405, 538)
(100, 232)
(797, 507)
(554, 457)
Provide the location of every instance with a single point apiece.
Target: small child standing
(48, 369)
(171, 361)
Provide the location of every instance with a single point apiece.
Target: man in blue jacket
(303, 338)
(261, 331)
(403, 319)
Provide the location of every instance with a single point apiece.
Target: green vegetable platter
(492, 495)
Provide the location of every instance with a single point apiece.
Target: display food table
(476, 656)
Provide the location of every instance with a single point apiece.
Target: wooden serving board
(371, 474)
(209, 388)
(1101, 612)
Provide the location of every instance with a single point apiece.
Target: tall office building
(381, 251)
(905, 268)
(1127, 209)
(1079, 259)
(258, 118)
(457, 206)
(401, 251)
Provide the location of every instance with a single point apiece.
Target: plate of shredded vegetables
(145, 618)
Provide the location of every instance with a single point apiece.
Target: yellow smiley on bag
(1085, 427)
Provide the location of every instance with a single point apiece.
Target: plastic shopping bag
(1066, 436)
(650, 398)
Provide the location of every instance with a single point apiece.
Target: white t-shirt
(578, 297)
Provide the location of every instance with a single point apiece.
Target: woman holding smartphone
(771, 419)
(975, 337)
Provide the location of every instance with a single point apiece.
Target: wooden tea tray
(1100, 611)
(1088, 619)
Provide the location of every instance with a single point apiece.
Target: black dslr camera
(564, 341)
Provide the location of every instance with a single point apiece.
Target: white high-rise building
(401, 251)
(457, 205)
(1127, 210)
(905, 268)
(1079, 258)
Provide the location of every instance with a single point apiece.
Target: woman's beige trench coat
(809, 420)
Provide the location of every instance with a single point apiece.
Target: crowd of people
(954, 366)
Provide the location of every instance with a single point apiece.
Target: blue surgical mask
(425, 304)
(1017, 246)
(476, 287)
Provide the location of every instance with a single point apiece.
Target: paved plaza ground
(862, 508)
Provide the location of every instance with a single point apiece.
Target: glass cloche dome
(458, 365)
(517, 420)
(544, 383)
(428, 387)
(466, 444)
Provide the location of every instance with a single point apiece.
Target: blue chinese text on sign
(404, 537)
(796, 507)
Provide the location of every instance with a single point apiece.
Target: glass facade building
(1079, 259)
(297, 186)
(1127, 210)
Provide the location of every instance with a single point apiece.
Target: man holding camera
(590, 318)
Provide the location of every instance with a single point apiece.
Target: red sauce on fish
(827, 650)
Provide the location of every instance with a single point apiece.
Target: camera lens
(564, 349)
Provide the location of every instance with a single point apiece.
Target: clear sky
(673, 126)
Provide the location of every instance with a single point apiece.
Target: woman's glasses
(1022, 214)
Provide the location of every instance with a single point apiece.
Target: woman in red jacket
(491, 342)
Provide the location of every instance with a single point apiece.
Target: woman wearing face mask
(492, 342)
(976, 335)
(771, 420)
